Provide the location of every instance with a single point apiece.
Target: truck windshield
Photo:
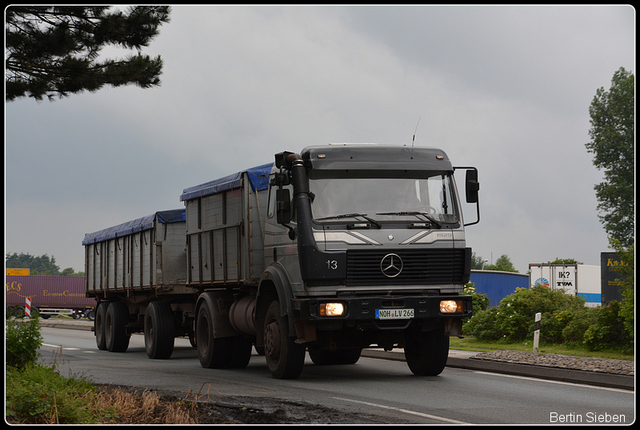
(384, 198)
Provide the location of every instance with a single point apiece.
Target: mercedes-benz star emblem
(391, 265)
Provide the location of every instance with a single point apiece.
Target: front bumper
(364, 309)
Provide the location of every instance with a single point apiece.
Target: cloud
(506, 89)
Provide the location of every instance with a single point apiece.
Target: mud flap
(453, 327)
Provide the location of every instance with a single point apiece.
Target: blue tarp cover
(258, 176)
(134, 226)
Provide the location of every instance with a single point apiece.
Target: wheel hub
(272, 340)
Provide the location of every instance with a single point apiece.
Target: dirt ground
(140, 406)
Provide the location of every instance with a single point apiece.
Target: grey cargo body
(143, 254)
(225, 228)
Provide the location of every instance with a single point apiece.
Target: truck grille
(419, 267)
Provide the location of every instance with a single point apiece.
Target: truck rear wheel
(159, 330)
(240, 352)
(285, 358)
(116, 337)
(426, 352)
(99, 325)
(213, 352)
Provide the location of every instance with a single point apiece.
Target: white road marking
(504, 375)
(60, 346)
(52, 346)
(406, 411)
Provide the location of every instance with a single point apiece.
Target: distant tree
(503, 264)
(53, 50)
(612, 132)
(38, 266)
(70, 272)
(564, 261)
(476, 262)
(627, 284)
(43, 265)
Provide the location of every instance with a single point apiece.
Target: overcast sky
(504, 89)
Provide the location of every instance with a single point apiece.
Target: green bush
(565, 319)
(576, 322)
(514, 319)
(22, 340)
(480, 301)
(482, 325)
(608, 331)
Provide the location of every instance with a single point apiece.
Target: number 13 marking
(332, 264)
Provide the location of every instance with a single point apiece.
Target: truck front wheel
(159, 330)
(426, 352)
(212, 352)
(285, 358)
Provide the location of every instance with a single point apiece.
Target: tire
(342, 356)
(36, 311)
(15, 311)
(240, 352)
(426, 352)
(99, 325)
(91, 315)
(116, 337)
(284, 357)
(77, 314)
(214, 353)
(159, 330)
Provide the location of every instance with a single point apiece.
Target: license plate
(393, 314)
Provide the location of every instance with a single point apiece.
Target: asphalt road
(372, 391)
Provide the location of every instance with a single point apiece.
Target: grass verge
(472, 344)
(38, 394)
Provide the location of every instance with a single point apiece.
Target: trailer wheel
(426, 352)
(212, 352)
(159, 330)
(341, 356)
(284, 357)
(116, 336)
(99, 325)
(91, 315)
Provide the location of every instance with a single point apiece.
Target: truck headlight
(332, 309)
(450, 306)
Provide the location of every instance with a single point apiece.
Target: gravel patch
(589, 364)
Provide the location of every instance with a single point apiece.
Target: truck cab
(370, 242)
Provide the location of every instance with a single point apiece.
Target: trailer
(136, 271)
(49, 295)
(497, 284)
(336, 249)
(576, 279)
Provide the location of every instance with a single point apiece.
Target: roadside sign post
(536, 333)
(27, 307)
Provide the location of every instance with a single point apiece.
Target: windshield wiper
(415, 213)
(351, 215)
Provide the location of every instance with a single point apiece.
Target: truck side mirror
(472, 186)
(283, 206)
